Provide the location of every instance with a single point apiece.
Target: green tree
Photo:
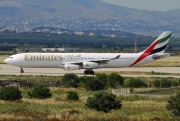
(82, 81)
(94, 84)
(71, 80)
(165, 83)
(135, 83)
(174, 104)
(10, 94)
(174, 83)
(71, 95)
(40, 92)
(103, 101)
(102, 78)
(114, 80)
(157, 83)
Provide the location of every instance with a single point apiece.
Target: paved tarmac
(11, 70)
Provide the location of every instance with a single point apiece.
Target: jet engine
(90, 65)
(70, 67)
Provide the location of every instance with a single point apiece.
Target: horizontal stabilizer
(159, 56)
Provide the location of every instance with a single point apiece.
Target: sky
(152, 5)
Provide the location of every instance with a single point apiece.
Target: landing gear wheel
(21, 71)
(89, 72)
(92, 72)
(86, 72)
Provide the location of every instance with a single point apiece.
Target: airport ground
(136, 108)
(129, 72)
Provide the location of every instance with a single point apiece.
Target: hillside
(52, 11)
(80, 8)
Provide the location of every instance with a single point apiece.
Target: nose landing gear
(21, 71)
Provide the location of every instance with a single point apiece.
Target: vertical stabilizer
(157, 47)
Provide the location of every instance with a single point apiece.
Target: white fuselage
(57, 60)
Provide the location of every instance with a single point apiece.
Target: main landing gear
(89, 71)
(21, 71)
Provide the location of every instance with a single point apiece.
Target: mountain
(94, 9)
(81, 8)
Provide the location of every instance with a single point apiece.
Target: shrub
(174, 83)
(71, 95)
(103, 101)
(10, 94)
(135, 83)
(40, 92)
(94, 84)
(82, 81)
(157, 83)
(174, 104)
(70, 80)
(114, 80)
(102, 78)
(165, 83)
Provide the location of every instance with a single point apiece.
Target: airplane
(90, 61)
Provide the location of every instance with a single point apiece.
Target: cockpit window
(11, 57)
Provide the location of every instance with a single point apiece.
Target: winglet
(116, 57)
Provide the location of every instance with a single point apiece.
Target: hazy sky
(160, 5)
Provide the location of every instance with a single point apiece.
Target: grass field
(134, 108)
(173, 61)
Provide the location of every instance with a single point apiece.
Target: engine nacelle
(70, 67)
(90, 65)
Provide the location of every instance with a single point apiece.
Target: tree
(165, 83)
(157, 83)
(135, 83)
(102, 78)
(103, 101)
(40, 92)
(71, 95)
(174, 104)
(70, 80)
(10, 94)
(174, 83)
(114, 80)
(94, 84)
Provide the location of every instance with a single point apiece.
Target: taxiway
(11, 70)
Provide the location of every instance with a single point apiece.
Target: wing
(99, 61)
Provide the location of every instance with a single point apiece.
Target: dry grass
(2, 58)
(173, 61)
(145, 110)
(59, 108)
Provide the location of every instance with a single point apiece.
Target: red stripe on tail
(145, 54)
